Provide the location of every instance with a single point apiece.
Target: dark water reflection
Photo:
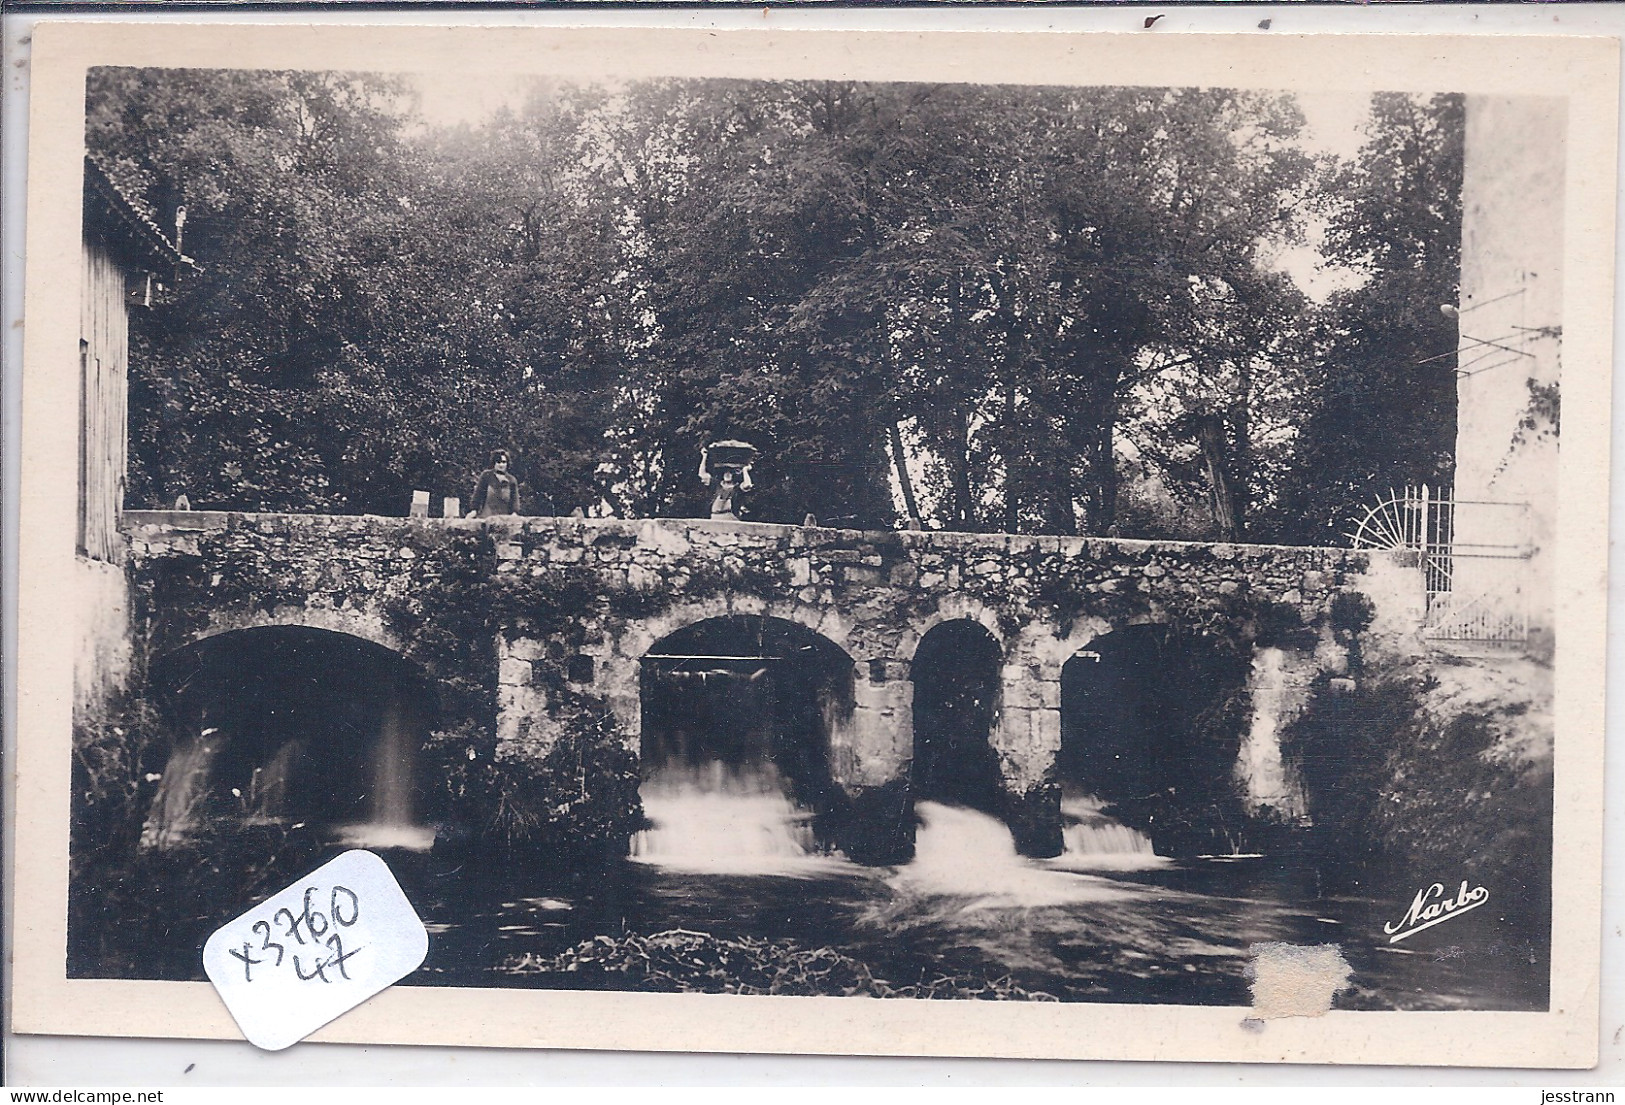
(1177, 933)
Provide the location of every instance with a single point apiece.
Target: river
(1107, 921)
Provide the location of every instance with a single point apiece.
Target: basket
(729, 454)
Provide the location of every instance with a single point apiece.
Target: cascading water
(719, 818)
(960, 853)
(268, 787)
(955, 846)
(739, 714)
(392, 769)
(180, 793)
(291, 728)
(1259, 764)
(1092, 840)
(391, 824)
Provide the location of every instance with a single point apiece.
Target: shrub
(578, 800)
(1351, 611)
(1280, 625)
(1388, 783)
(146, 912)
(680, 961)
(116, 766)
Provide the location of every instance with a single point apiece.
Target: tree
(1002, 290)
(1385, 415)
(286, 178)
(994, 268)
(376, 310)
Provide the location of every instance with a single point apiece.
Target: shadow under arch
(1151, 723)
(741, 709)
(293, 725)
(958, 688)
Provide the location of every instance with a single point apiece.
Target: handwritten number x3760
(310, 918)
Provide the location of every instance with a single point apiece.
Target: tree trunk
(1060, 515)
(959, 473)
(896, 435)
(1209, 431)
(1101, 454)
(1012, 478)
(1241, 461)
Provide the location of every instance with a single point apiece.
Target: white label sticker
(315, 950)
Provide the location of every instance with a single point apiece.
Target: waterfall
(1259, 765)
(727, 819)
(957, 845)
(390, 823)
(1092, 840)
(964, 853)
(392, 767)
(268, 788)
(181, 793)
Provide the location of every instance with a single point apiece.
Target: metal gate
(1473, 557)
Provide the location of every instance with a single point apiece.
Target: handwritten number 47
(335, 960)
(342, 900)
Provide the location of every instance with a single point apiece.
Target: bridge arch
(360, 622)
(291, 725)
(738, 711)
(1049, 652)
(619, 660)
(957, 673)
(825, 621)
(1151, 722)
(955, 607)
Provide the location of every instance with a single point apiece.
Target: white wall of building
(1509, 356)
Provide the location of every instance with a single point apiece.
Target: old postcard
(849, 542)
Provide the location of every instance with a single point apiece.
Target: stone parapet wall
(220, 571)
(862, 572)
(882, 583)
(817, 564)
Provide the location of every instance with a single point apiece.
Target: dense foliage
(143, 912)
(1406, 774)
(999, 308)
(1385, 374)
(578, 802)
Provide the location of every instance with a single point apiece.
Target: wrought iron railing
(1472, 556)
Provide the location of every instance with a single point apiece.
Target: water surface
(1108, 921)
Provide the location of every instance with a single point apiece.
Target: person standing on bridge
(725, 467)
(498, 490)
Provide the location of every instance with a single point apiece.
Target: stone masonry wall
(198, 573)
(569, 606)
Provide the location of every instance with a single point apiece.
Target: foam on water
(379, 834)
(726, 820)
(965, 853)
(1092, 841)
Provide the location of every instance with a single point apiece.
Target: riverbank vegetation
(1436, 772)
(136, 911)
(680, 961)
(576, 805)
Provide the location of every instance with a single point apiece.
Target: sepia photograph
(912, 541)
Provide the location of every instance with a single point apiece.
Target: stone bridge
(531, 619)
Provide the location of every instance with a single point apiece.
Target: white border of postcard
(1584, 70)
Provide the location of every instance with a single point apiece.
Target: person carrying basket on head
(725, 468)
